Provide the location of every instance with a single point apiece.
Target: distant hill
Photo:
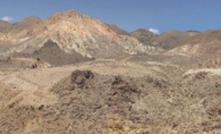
(25, 23)
(171, 39)
(76, 33)
(206, 44)
(5, 26)
(18, 26)
(144, 36)
(8, 30)
(118, 30)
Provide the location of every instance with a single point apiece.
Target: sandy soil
(113, 97)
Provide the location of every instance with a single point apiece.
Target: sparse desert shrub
(214, 110)
(218, 85)
(200, 75)
(79, 76)
(34, 65)
(123, 85)
(210, 63)
(149, 79)
(160, 83)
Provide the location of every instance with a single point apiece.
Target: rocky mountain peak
(66, 22)
(69, 15)
(30, 20)
(5, 26)
(83, 34)
(144, 36)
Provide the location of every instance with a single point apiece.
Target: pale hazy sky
(162, 15)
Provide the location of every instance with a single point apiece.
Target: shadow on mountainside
(52, 54)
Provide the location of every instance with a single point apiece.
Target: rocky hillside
(73, 74)
(8, 30)
(206, 44)
(145, 36)
(165, 41)
(5, 26)
(112, 98)
(75, 32)
(25, 23)
(172, 39)
(118, 30)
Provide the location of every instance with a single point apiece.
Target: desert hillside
(73, 74)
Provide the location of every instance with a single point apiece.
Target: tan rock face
(5, 37)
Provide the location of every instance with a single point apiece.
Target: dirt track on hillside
(111, 97)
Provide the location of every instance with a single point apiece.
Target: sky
(155, 15)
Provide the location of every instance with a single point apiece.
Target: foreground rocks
(92, 103)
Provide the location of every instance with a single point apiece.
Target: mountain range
(72, 73)
(81, 34)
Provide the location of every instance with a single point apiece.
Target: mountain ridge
(88, 36)
(76, 32)
(72, 73)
